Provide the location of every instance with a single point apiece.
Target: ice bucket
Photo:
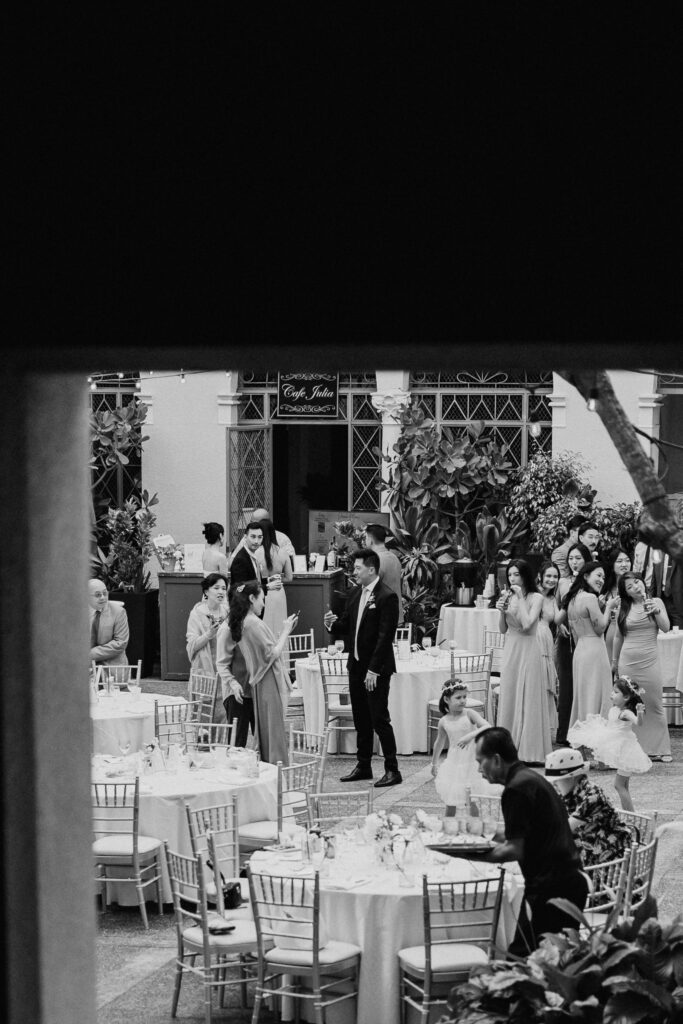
(463, 595)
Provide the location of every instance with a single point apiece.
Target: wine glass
(339, 644)
(488, 828)
(124, 746)
(134, 690)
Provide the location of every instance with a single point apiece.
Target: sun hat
(565, 763)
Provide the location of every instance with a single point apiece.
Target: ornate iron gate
(250, 476)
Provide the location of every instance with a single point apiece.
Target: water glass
(339, 645)
(134, 690)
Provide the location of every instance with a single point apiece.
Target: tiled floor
(135, 972)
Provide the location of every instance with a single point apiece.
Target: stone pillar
(393, 395)
(48, 903)
(229, 399)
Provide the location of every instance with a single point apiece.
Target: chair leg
(176, 987)
(141, 901)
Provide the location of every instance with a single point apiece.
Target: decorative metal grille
(363, 409)
(249, 478)
(252, 408)
(122, 482)
(482, 379)
(365, 474)
(352, 378)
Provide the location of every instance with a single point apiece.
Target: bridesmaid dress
(523, 702)
(639, 660)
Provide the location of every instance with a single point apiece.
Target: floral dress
(603, 836)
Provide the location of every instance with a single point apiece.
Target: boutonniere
(370, 603)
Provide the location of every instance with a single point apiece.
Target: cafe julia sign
(307, 394)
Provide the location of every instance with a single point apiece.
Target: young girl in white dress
(613, 741)
(458, 729)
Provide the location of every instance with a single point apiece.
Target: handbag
(232, 892)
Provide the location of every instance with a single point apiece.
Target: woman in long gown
(202, 629)
(635, 655)
(577, 556)
(548, 578)
(213, 559)
(269, 681)
(274, 562)
(523, 702)
(591, 669)
(617, 563)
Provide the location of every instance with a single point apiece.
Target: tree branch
(658, 524)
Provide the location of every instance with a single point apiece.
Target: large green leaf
(625, 1008)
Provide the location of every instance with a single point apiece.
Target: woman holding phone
(269, 682)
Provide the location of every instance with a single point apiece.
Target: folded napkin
(347, 883)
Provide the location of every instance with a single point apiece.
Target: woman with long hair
(548, 578)
(617, 562)
(523, 703)
(274, 564)
(270, 684)
(635, 655)
(577, 556)
(591, 670)
(202, 628)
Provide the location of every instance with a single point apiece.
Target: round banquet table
(415, 682)
(362, 902)
(670, 649)
(162, 806)
(125, 719)
(466, 625)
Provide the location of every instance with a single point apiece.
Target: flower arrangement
(627, 972)
(170, 553)
(381, 827)
(424, 822)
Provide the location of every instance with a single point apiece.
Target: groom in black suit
(370, 622)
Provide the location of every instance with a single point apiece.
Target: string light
(93, 386)
(120, 375)
(182, 377)
(592, 402)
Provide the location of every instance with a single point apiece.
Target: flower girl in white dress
(458, 729)
(612, 740)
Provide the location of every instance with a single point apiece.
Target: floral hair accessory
(453, 686)
(240, 588)
(637, 691)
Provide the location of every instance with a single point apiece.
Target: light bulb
(535, 429)
(593, 396)
(182, 377)
(120, 375)
(93, 386)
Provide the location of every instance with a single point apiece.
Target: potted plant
(123, 570)
(627, 972)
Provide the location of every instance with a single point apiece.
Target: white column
(393, 395)
(229, 400)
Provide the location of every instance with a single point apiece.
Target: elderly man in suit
(370, 621)
(109, 633)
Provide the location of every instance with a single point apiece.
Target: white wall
(184, 460)
(577, 430)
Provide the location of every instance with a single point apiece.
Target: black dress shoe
(358, 774)
(389, 779)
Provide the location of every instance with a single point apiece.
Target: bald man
(283, 541)
(109, 633)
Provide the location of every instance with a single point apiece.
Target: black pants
(244, 713)
(544, 916)
(564, 656)
(371, 714)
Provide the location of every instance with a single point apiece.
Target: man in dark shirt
(537, 834)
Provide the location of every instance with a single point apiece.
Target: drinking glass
(427, 642)
(339, 644)
(489, 827)
(124, 746)
(134, 690)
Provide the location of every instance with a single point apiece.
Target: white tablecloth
(466, 626)
(162, 807)
(125, 719)
(414, 683)
(382, 917)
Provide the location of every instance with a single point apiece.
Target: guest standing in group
(559, 555)
(590, 537)
(245, 566)
(369, 621)
(598, 831)
(390, 571)
(237, 695)
(203, 623)
(109, 632)
(213, 559)
(275, 567)
(591, 670)
(262, 652)
(548, 579)
(577, 556)
(635, 655)
(281, 539)
(523, 703)
(617, 562)
(538, 836)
